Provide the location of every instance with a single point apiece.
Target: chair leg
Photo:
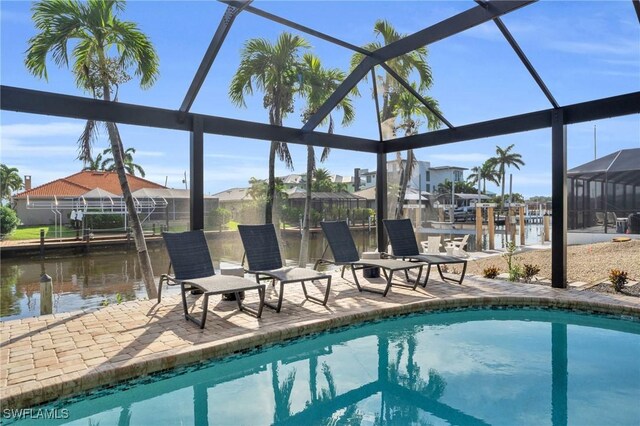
(257, 313)
(415, 284)
(426, 279)
(386, 290)
(355, 278)
(280, 296)
(343, 268)
(184, 301)
(315, 299)
(162, 278)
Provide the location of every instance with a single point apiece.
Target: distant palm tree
(318, 83)
(94, 164)
(505, 158)
(105, 49)
(10, 181)
(275, 70)
(483, 173)
(129, 165)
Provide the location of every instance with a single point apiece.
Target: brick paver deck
(51, 356)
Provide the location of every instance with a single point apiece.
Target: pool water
(472, 367)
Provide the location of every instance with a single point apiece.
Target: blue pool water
(474, 367)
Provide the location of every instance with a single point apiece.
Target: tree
(218, 217)
(505, 158)
(460, 187)
(318, 83)
(8, 220)
(129, 165)
(486, 172)
(408, 109)
(10, 181)
(105, 50)
(275, 70)
(396, 101)
(94, 164)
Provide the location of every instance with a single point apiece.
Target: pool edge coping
(33, 393)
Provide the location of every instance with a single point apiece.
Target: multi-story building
(424, 177)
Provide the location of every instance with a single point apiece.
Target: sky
(583, 50)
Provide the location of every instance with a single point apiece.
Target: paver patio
(46, 357)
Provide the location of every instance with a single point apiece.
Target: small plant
(105, 302)
(508, 256)
(529, 272)
(119, 299)
(618, 278)
(515, 273)
(490, 272)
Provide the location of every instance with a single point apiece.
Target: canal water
(105, 277)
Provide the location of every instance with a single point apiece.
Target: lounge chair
(600, 218)
(264, 260)
(193, 270)
(345, 253)
(404, 245)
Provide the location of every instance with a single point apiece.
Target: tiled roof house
(84, 183)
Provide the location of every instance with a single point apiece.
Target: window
(457, 175)
(428, 187)
(428, 176)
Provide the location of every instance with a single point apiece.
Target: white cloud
(41, 130)
(611, 47)
(14, 148)
(472, 157)
(234, 157)
(149, 153)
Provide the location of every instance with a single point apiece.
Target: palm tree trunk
(405, 177)
(271, 186)
(134, 220)
(502, 194)
(304, 243)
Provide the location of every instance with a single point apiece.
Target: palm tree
(275, 70)
(10, 181)
(396, 101)
(94, 164)
(483, 173)
(409, 108)
(318, 84)
(129, 165)
(505, 158)
(105, 49)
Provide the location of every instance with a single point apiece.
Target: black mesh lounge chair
(264, 260)
(404, 246)
(345, 253)
(193, 270)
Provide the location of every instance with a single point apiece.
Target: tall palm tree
(318, 84)
(105, 49)
(275, 70)
(409, 109)
(395, 99)
(129, 165)
(505, 158)
(10, 181)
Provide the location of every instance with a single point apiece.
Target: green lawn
(33, 232)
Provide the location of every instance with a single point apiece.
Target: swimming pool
(472, 367)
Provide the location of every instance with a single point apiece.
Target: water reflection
(106, 277)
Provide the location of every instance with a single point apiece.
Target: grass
(33, 232)
(232, 225)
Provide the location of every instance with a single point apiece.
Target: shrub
(529, 271)
(218, 217)
(515, 273)
(618, 278)
(8, 220)
(490, 272)
(104, 221)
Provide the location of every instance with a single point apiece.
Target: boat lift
(106, 204)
